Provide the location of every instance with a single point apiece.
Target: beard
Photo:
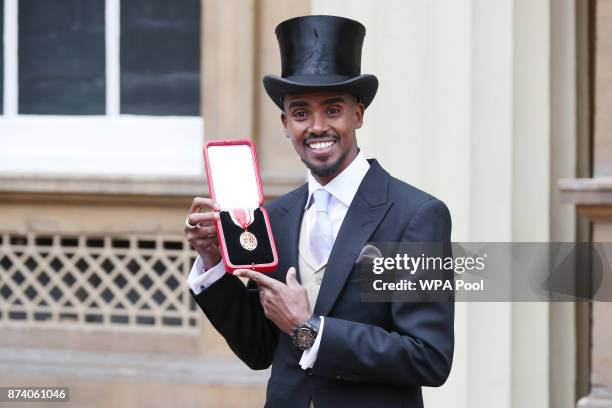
(326, 169)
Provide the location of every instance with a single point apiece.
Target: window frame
(111, 144)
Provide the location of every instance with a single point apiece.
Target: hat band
(318, 79)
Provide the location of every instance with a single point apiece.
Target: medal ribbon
(242, 217)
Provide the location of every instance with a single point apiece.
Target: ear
(359, 111)
(284, 121)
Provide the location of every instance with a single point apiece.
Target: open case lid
(233, 173)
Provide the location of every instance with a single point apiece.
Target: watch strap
(315, 322)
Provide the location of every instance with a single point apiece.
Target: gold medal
(243, 218)
(248, 241)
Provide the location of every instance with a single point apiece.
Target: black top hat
(321, 52)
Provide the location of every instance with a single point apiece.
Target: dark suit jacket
(373, 354)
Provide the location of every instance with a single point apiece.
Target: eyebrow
(297, 104)
(328, 101)
(337, 99)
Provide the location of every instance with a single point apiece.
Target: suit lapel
(365, 213)
(290, 227)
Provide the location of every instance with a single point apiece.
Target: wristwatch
(304, 335)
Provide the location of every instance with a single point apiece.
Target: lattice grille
(134, 282)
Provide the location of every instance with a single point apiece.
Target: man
(307, 320)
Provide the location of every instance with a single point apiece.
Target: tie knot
(321, 199)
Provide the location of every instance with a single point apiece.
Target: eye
(332, 111)
(300, 114)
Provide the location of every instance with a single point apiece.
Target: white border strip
(112, 24)
(126, 144)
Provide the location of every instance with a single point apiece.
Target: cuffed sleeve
(310, 356)
(199, 279)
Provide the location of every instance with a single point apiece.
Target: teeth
(320, 145)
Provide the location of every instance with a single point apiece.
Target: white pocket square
(368, 253)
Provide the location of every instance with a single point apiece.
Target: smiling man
(321, 125)
(326, 347)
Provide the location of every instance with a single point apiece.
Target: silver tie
(321, 238)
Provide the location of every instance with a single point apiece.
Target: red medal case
(234, 182)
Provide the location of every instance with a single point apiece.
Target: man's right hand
(204, 238)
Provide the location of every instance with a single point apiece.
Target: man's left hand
(286, 305)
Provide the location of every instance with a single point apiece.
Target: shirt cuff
(199, 279)
(310, 356)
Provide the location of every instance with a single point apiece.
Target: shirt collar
(344, 186)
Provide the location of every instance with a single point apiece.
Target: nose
(318, 124)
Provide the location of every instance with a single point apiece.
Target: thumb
(291, 278)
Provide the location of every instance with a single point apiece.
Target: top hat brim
(364, 87)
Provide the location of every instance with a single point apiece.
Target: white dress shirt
(342, 189)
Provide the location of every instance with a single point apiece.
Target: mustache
(326, 135)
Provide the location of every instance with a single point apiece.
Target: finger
(291, 278)
(207, 218)
(203, 232)
(205, 242)
(197, 235)
(203, 202)
(260, 279)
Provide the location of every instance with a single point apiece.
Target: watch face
(304, 338)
